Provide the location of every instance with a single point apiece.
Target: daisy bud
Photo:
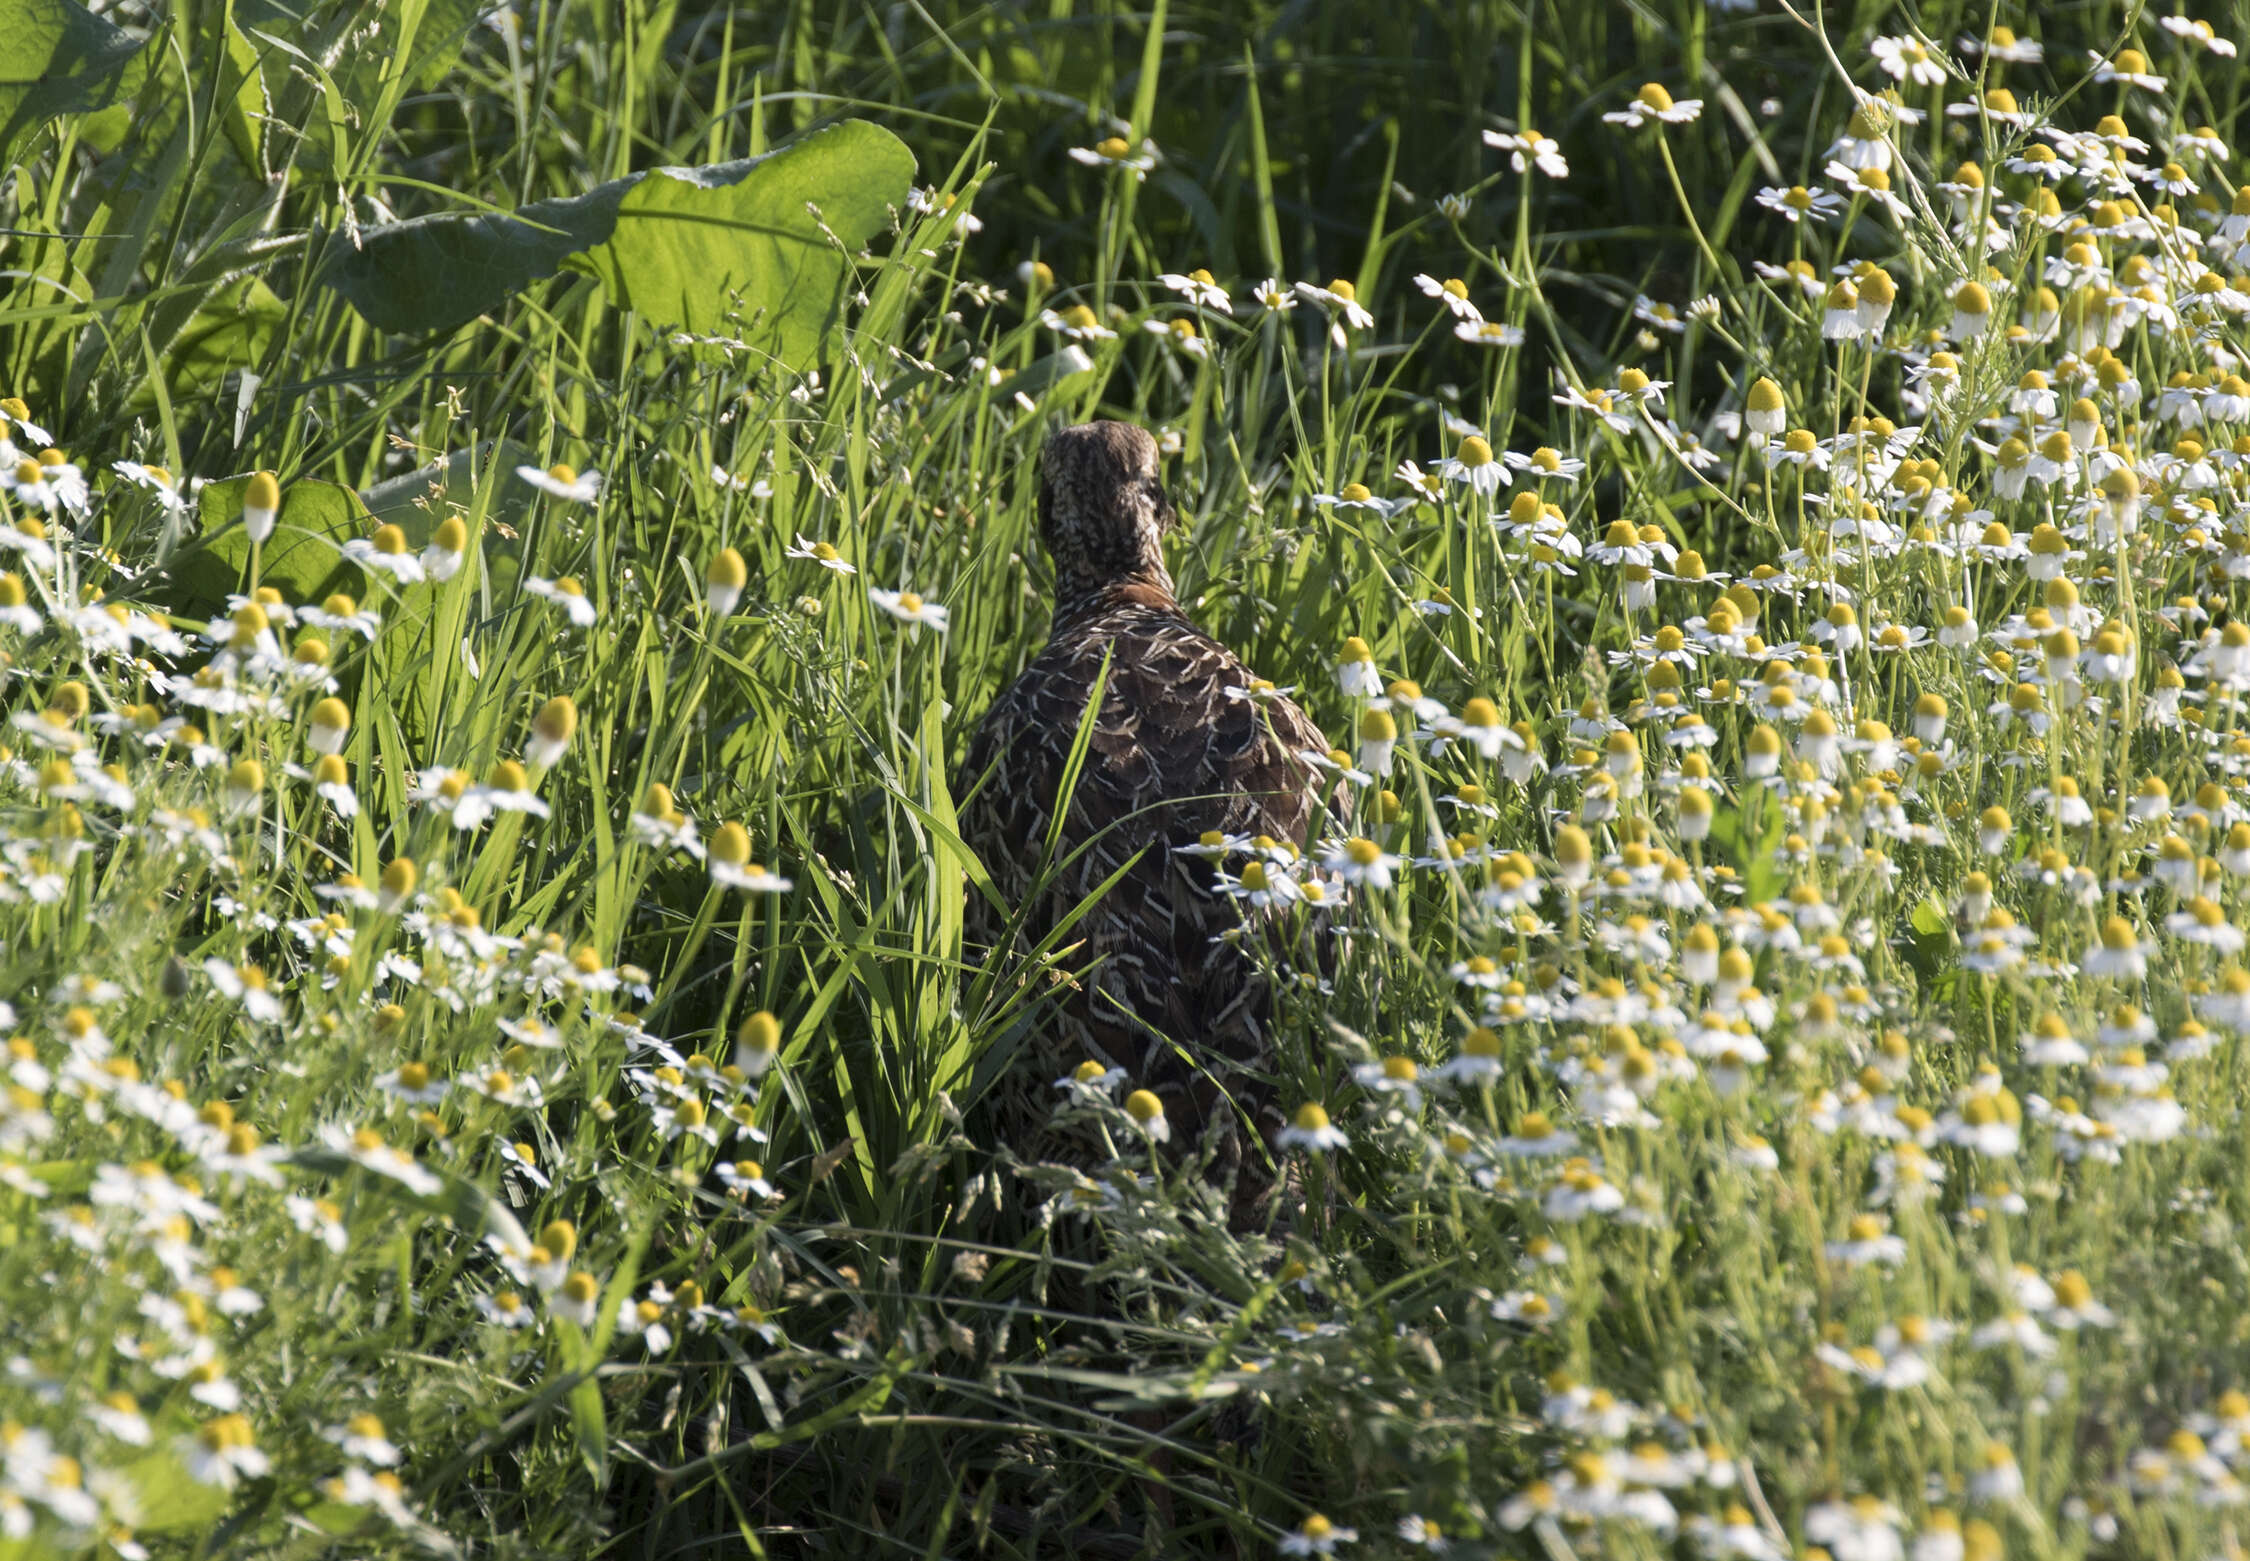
(1356, 673)
(1695, 814)
(261, 505)
(1929, 718)
(730, 843)
(1762, 754)
(1574, 856)
(723, 583)
(449, 544)
(1311, 1129)
(578, 1300)
(400, 876)
(1147, 1113)
(1378, 736)
(1877, 293)
(246, 782)
(331, 724)
(2085, 424)
(250, 621)
(1764, 411)
(1994, 829)
(551, 731)
(2121, 492)
(756, 1043)
(1840, 318)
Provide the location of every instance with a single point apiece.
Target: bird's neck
(1148, 585)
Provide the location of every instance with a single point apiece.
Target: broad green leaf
(437, 272)
(731, 248)
(240, 102)
(170, 1498)
(1928, 951)
(57, 57)
(303, 559)
(231, 329)
(738, 247)
(1930, 918)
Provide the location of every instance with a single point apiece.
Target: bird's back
(1172, 999)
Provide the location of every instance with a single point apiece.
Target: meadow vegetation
(1755, 493)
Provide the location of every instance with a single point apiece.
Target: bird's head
(1102, 509)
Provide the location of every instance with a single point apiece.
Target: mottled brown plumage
(1180, 1007)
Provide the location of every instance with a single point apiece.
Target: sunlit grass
(494, 1060)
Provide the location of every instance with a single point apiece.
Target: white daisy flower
(566, 593)
(821, 553)
(908, 607)
(563, 482)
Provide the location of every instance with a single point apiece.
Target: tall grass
(1889, 1263)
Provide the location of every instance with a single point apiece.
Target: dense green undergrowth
(497, 585)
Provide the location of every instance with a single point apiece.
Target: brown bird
(1171, 997)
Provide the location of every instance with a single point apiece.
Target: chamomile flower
(823, 554)
(731, 867)
(1489, 333)
(1309, 1129)
(1360, 862)
(1478, 1062)
(1529, 148)
(1654, 105)
(387, 553)
(1907, 59)
(1345, 312)
(1145, 1108)
(1453, 293)
(1199, 288)
(1316, 1536)
(152, 479)
(566, 593)
(563, 482)
(223, 1452)
(1799, 204)
(1475, 467)
(910, 608)
(1117, 152)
